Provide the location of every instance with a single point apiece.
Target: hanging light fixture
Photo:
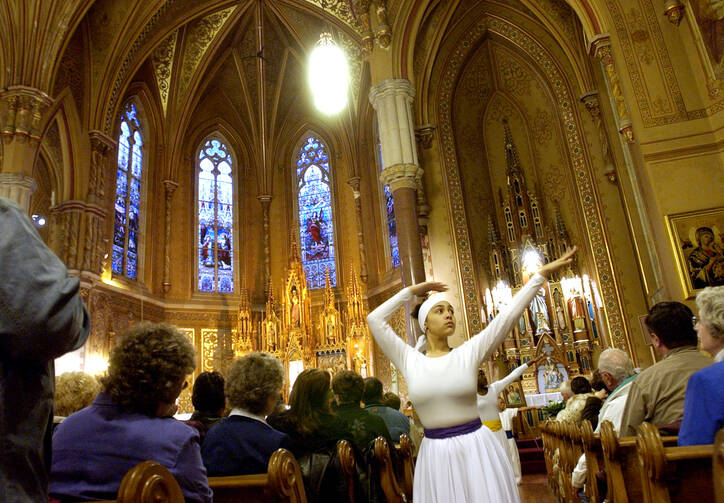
(328, 74)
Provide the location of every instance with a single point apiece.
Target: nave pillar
(21, 120)
(392, 100)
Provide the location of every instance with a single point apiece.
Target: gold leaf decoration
(162, 61)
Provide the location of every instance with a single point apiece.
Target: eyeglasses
(694, 320)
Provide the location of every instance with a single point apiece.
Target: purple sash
(454, 431)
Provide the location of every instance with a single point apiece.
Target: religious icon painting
(706, 18)
(514, 396)
(698, 241)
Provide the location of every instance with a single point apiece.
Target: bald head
(616, 365)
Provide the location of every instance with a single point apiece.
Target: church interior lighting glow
(328, 75)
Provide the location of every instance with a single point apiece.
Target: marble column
(265, 201)
(354, 182)
(392, 100)
(169, 187)
(21, 116)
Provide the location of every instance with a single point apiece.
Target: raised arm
(41, 314)
(392, 346)
(483, 344)
(500, 385)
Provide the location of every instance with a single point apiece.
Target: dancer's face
(441, 320)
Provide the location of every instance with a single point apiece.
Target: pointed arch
(215, 214)
(314, 203)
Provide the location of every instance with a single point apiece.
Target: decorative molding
(21, 113)
(354, 183)
(200, 35)
(169, 188)
(401, 176)
(265, 201)
(581, 169)
(162, 61)
(590, 100)
(674, 11)
(424, 135)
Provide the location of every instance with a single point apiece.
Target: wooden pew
(673, 474)
(407, 475)
(388, 479)
(718, 470)
(622, 465)
(148, 482)
(345, 454)
(282, 483)
(549, 452)
(594, 459)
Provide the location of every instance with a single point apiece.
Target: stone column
(93, 250)
(354, 183)
(601, 48)
(392, 100)
(265, 201)
(590, 100)
(169, 188)
(21, 115)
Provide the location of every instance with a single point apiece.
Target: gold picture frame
(697, 238)
(514, 396)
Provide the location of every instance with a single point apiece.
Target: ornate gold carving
(265, 202)
(674, 11)
(21, 113)
(162, 61)
(354, 183)
(542, 127)
(424, 135)
(200, 35)
(590, 100)
(330, 321)
(209, 341)
(401, 176)
(383, 32)
(340, 10)
(514, 76)
(601, 46)
(245, 337)
(588, 198)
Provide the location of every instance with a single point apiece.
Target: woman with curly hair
(74, 391)
(242, 443)
(130, 421)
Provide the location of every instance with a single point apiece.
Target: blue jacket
(239, 445)
(95, 447)
(703, 406)
(397, 423)
(41, 318)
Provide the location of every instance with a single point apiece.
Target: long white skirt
(512, 450)
(470, 468)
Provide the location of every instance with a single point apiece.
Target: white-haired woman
(704, 402)
(458, 460)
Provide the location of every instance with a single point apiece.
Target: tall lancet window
(216, 218)
(316, 225)
(389, 214)
(127, 208)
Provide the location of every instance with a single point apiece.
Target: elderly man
(617, 372)
(41, 317)
(657, 395)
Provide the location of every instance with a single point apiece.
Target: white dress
(472, 467)
(488, 412)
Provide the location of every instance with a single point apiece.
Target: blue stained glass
(127, 205)
(316, 226)
(392, 227)
(216, 219)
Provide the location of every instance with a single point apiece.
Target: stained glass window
(216, 218)
(127, 208)
(390, 221)
(316, 228)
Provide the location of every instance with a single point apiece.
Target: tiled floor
(534, 489)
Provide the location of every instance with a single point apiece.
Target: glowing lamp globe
(328, 75)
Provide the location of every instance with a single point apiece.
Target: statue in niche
(331, 322)
(271, 335)
(539, 312)
(294, 310)
(360, 362)
(577, 305)
(560, 310)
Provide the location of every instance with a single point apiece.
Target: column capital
(101, 141)
(354, 182)
(21, 111)
(424, 135)
(401, 176)
(17, 187)
(265, 200)
(391, 87)
(600, 46)
(170, 187)
(592, 103)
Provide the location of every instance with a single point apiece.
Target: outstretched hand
(421, 289)
(559, 263)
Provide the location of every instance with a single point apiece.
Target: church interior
(175, 156)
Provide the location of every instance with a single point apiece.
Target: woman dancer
(458, 460)
(489, 415)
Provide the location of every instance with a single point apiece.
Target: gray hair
(566, 387)
(253, 379)
(710, 302)
(617, 363)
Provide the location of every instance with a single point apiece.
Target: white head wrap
(431, 301)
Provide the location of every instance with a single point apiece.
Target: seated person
(130, 421)
(704, 402)
(581, 389)
(242, 443)
(208, 400)
(396, 422)
(364, 427)
(313, 431)
(595, 401)
(74, 391)
(392, 400)
(657, 394)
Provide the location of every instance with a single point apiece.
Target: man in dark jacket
(41, 318)
(396, 422)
